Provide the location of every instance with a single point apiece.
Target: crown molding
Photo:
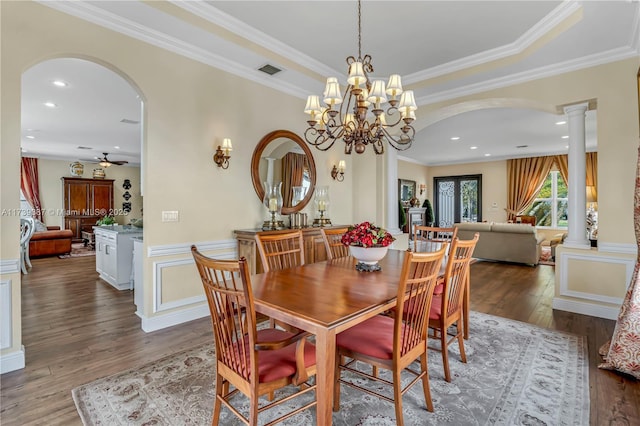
(540, 29)
(613, 55)
(98, 16)
(214, 15)
(634, 41)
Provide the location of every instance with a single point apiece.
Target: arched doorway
(83, 110)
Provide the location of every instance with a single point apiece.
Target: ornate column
(577, 237)
(392, 190)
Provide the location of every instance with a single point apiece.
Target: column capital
(576, 108)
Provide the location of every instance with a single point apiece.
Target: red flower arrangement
(366, 234)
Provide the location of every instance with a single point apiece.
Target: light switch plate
(170, 216)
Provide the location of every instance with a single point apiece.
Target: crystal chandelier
(353, 122)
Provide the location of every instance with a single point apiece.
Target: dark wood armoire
(85, 201)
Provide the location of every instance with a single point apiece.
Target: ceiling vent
(84, 147)
(269, 69)
(127, 121)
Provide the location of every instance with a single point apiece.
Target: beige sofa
(507, 242)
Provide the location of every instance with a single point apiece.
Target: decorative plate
(126, 184)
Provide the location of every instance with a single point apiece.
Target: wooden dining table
(326, 298)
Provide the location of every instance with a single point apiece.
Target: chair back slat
(430, 238)
(457, 273)
(281, 251)
(228, 291)
(333, 242)
(418, 280)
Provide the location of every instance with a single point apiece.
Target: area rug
(78, 250)
(516, 373)
(545, 256)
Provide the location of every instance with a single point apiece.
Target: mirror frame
(406, 182)
(255, 164)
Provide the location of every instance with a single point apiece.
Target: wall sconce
(423, 187)
(221, 157)
(337, 173)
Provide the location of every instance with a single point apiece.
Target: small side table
(88, 238)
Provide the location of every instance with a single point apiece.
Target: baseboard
(159, 322)
(586, 308)
(12, 361)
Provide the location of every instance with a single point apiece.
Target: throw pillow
(40, 226)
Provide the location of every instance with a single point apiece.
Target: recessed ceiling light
(116, 147)
(473, 147)
(30, 137)
(50, 104)
(487, 155)
(455, 138)
(565, 137)
(59, 83)
(560, 123)
(566, 146)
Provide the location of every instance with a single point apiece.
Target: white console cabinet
(114, 254)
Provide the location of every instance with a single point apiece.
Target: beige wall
(51, 172)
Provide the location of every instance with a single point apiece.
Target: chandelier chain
(359, 30)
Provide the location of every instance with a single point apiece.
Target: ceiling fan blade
(118, 163)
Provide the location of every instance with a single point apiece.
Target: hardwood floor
(76, 328)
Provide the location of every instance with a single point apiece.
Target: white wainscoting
(9, 266)
(188, 308)
(6, 311)
(585, 304)
(13, 360)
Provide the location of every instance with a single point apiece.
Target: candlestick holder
(321, 202)
(273, 202)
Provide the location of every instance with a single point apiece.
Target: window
(550, 206)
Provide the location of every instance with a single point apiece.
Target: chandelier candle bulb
(356, 75)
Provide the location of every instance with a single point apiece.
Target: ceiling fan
(105, 162)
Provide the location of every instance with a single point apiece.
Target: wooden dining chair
(447, 308)
(394, 343)
(255, 362)
(333, 242)
(430, 238)
(280, 251)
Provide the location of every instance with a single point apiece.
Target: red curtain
(29, 185)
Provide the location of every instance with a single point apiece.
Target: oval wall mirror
(282, 156)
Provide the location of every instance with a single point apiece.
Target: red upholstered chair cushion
(439, 286)
(279, 363)
(373, 337)
(436, 307)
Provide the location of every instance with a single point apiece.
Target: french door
(457, 199)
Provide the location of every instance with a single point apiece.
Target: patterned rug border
(571, 414)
